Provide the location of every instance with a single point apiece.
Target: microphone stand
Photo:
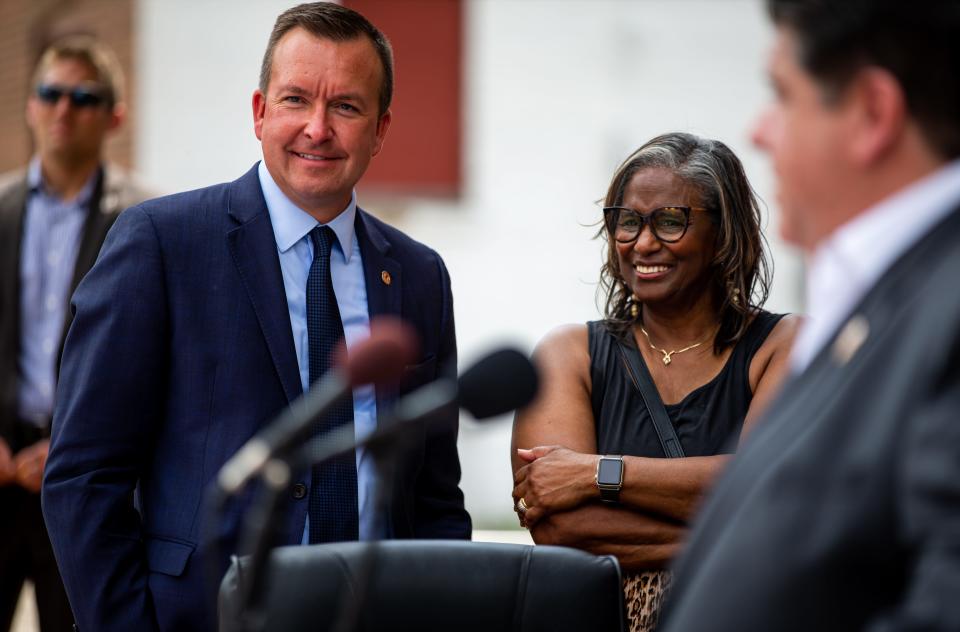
(260, 535)
(385, 447)
(386, 456)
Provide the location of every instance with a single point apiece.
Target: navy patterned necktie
(333, 486)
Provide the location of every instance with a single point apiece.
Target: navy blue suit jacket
(180, 350)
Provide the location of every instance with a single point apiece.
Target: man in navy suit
(198, 324)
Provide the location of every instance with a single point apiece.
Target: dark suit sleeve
(109, 405)
(439, 502)
(930, 511)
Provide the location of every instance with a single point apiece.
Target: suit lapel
(94, 229)
(12, 209)
(253, 247)
(383, 275)
(101, 214)
(383, 278)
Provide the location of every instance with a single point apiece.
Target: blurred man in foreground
(842, 510)
(54, 216)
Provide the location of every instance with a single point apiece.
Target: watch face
(611, 472)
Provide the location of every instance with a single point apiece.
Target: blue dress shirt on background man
(51, 240)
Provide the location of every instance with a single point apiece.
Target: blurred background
(510, 117)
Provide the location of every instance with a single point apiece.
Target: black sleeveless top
(708, 420)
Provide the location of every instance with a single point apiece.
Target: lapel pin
(386, 278)
(850, 339)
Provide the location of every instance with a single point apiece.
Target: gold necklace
(666, 354)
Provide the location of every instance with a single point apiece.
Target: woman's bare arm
(769, 368)
(639, 541)
(562, 476)
(561, 414)
(552, 479)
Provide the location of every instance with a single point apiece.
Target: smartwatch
(610, 477)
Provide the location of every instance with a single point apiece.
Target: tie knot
(323, 238)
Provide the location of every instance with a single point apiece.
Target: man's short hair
(917, 41)
(337, 23)
(94, 53)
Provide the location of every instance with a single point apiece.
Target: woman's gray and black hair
(742, 269)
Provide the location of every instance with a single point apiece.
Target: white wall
(557, 92)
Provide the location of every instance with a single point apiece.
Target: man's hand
(8, 470)
(29, 463)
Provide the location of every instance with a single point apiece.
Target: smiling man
(842, 509)
(210, 311)
(54, 216)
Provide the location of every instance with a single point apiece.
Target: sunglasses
(668, 223)
(79, 97)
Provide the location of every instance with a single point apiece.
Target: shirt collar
(34, 174)
(291, 223)
(36, 184)
(869, 243)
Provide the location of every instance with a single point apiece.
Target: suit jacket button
(299, 491)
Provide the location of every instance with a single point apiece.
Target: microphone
(496, 384)
(379, 359)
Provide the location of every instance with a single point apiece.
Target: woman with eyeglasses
(639, 411)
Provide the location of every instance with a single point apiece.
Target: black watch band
(610, 495)
(610, 477)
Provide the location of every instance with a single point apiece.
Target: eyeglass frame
(646, 221)
(79, 96)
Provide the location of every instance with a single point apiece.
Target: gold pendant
(666, 359)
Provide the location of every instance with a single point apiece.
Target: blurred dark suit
(842, 510)
(24, 547)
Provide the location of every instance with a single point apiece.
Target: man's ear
(382, 126)
(118, 114)
(30, 114)
(259, 104)
(880, 115)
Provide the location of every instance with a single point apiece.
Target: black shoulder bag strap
(638, 372)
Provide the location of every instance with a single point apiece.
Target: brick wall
(26, 26)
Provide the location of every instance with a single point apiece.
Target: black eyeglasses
(79, 97)
(668, 223)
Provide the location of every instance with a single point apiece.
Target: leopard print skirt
(644, 593)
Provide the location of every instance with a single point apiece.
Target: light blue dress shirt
(48, 255)
(291, 228)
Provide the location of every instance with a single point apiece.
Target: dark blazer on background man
(115, 191)
(24, 548)
(842, 510)
(181, 349)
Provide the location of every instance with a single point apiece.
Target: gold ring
(522, 506)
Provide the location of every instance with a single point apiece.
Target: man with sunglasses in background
(54, 216)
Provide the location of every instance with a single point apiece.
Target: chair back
(433, 585)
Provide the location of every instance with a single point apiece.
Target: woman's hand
(554, 479)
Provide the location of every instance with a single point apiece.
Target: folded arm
(554, 446)
(557, 472)
(639, 541)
